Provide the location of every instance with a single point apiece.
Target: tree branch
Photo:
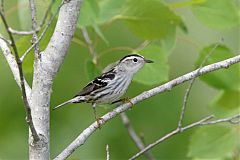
(22, 82)
(34, 28)
(2, 6)
(107, 151)
(185, 99)
(42, 34)
(13, 65)
(134, 135)
(89, 43)
(80, 140)
(46, 13)
(25, 33)
(21, 33)
(46, 69)
(5, 40)
(202, 122)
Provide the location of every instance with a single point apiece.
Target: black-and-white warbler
(111, 84)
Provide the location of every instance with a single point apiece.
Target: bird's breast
(115, 89)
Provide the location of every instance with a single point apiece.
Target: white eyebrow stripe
(130, 58)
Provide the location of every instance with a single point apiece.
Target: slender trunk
(45, 70)
(40, 102)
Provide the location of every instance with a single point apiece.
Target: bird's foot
(99, 120)
(128, 100)
(124, 100)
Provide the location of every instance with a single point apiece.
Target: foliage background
(182, 32)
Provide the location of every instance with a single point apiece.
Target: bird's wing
(97, 83)
(86, 90)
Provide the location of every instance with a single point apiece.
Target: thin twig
(2, 6)
(143, 45)
(142, 137)
(34, 28)
(107, 150)
(5, 40)
(167, 136)
(80, 140)
(230, 120)
(7, 53)
(90, 44)
(37, 29)
(134, 135)
(186, 96)
(21, 33)
(202, 122)
(42, 34)
(46, 13)
(19, 63)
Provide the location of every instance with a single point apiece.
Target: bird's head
(132, 63)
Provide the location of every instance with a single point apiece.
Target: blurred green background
(152, 118)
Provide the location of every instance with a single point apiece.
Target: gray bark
(45, 70)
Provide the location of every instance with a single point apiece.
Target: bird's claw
(128, 100)
(99, 120)
(124, 100)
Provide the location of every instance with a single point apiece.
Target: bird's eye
(135, 60)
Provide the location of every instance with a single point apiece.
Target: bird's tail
(77, 99)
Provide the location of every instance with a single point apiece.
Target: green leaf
(89, 13)
(149, 19)
(153, 73)
(109, 9)
(217, 14)
(92, 70)
(226, 103)
(168, 43)
(213, 142)
(222, 79)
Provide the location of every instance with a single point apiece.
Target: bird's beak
(148, 61)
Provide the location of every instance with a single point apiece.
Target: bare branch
(2, 6)
(134, 135)
(45, 71)
(143, 45)
(22, 33)
(183, 110)
(230, 120)
(196, 123)
(13, 65)
(34, 28)
(90, 45)
(22, 82)
(46, 13)
(80, 140)
(5, 40)
(202, 122)
(25, 33)
(42, 34)
(107, 150)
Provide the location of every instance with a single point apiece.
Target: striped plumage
(112, 84)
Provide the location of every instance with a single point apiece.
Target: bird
(111, 85)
